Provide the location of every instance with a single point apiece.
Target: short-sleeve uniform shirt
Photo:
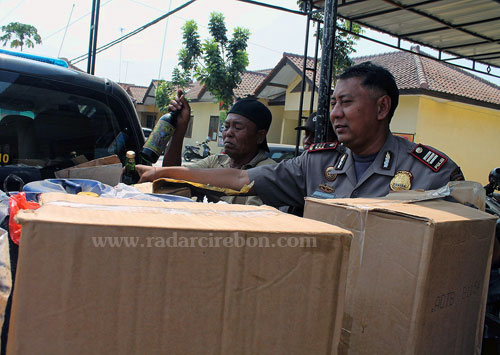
(327, 171)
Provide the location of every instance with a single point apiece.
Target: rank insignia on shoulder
(401, 181)
(316, 147)
(429, 157)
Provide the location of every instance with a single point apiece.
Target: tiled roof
(195, 90)
(249, 82)
(416, 73)
(298, 61)
(263, 71)
(136, 92)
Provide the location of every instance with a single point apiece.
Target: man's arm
(229, 178)
(173, 152)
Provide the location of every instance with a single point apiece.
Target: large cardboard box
(114, 276)
(418, 274)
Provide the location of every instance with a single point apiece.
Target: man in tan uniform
(244, 137)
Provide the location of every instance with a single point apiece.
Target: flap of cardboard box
(436, 210)
(106, 170)
(59, 207)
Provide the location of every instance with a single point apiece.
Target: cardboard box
(74, 297)
(418, 274)
(107, 170)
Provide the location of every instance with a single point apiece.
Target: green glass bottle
(130, 176)
(159, 137)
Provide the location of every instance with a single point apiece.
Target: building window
(189, 131)
(213, 128)
(150, 121)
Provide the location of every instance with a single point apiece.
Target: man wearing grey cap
(309, 132)
(244, 137)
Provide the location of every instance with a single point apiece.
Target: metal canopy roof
(467, 29)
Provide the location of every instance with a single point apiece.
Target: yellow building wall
(292, 102)
(405, 117)
(274, 133)
(144, 110)
(468, 134)
(201, 112)
(288, 133)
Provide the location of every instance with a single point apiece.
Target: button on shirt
(287, 183)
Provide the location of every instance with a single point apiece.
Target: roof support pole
(92, 18)
(308, 10)
(325, 82)
(94, 23)
(94, 42)
(315, 67)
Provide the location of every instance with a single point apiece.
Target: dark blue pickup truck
(49, 113)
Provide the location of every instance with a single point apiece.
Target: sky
(152, 54)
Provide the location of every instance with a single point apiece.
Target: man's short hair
(375, 77)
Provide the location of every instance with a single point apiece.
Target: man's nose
(336, 112)
(227, 132)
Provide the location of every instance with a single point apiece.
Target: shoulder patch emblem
(330, 174)
(316, 147)
(429, 157)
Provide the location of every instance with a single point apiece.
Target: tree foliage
(165, 92)
(344, 42)
(217, 62)
(20, 35)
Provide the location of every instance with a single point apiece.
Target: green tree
(344, 42)
(165, 92)
(218, 62)
(20, 35)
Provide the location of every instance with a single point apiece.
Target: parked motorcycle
(193, 151)
(491, 336)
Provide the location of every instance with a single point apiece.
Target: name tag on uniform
(323, 195)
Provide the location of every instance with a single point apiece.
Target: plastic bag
(5, 274)
(126, 191)
(18, 202)
(4, 206)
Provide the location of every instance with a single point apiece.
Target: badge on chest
(401, 181)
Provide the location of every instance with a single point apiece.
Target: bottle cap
(130, 154)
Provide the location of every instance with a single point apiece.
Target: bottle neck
(130, 165)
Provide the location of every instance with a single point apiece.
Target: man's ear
(261, 135)
(383, 107)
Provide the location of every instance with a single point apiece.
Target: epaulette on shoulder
(317, 147)
(429, 157)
